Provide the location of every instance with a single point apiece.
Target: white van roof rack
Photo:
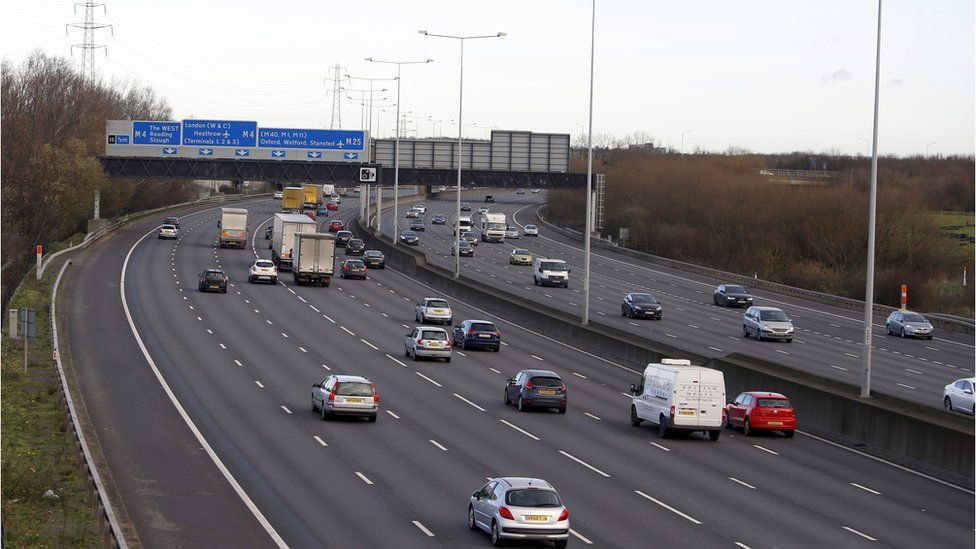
(676, 361)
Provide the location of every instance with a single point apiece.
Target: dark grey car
(641, 305)
(536, 388)
(908, 324)
(732, 295)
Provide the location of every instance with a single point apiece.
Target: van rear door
(686, 398)
(711, 388)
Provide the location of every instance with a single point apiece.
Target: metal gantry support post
(872, 214)
(589, 183)
(379, 209)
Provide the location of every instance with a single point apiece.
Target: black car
(731, 295)
(417, 225)
(465, 248)
(639, 305)
(343, 238)
(410, 238)
(480, 334)
(536, 388)
(374, 259)
(172, 220)
(213, 280)
(355, 246)
(489, 198)
(269, 232)
(465, 207)
(438, 219)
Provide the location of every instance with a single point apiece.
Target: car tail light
(332, 392)
(376, 396)
(472, 332)
(420, 342)
(564, 515)
(505, 513)
(563, 388)
(497, 334)
(528, 384)
(724, 413)
(672, 412)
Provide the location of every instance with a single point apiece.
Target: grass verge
(37, 452)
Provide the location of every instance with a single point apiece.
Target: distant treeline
(53, 127)
(716, 210)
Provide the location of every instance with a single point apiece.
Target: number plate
(435, 344)
(774, 422)
(536, 518)
(484, 335)
(214, 287)
(546, 392)
(354, 400)
(686, 412)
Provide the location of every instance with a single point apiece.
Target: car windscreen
(374, 253)
(264, 263)
(532, 498)
(408, 234)
(553, 266)
(355, 264)
(169, 227)
(547, 381)
(735, 290)
(774, 315)
(215, 276)
(773, 403)
(355, 242)
(354, 388)
(343, 234)
(914, 317)
(438, 304)
(644, 298)
(496, 226)
(436, 335)
(522, 252)
(464, 244)
(530, 226)
(483, 327)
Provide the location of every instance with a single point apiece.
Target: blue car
(478, 334)
(322, 211)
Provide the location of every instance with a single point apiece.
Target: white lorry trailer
(493, 227)
(233, 227)
(678, 396)
(314, 257)
(286, 226)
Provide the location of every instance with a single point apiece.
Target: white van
(550, 272)
(465, 223)
(680, 397)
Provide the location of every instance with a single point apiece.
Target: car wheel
(225, 290)
(928, 337)
(406, 351)
(745, 331)
(903, 331)
(447, 360)
(498, 348)
(372, 418)
(325, 415)
(250, 280)
(790, 340)
(471, 523)
(947, 403)
(274, 281)
(888, 329)
(423, 318)
(519, 405)
(713, 435)
(746, 429)
(508, 401)
(635, 420)
(496, 538)
(314, 407)
(535, 281)
(789, 434)
(759, 336)
(662, 427)
(562, 410)
(560, 543)
(414, 355)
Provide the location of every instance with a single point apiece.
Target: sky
(765, 75)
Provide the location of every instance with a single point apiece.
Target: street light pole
(927, 145)
(396, 148)
(872, 214)
(868, 143)
(457, 217)
(683, 140)
(589, 181)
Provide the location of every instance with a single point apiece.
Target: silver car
(531, 230)
(433, 309)
(958, 396)
(345, 395)
(908, 324)
(424, 341)
(168, 231)
(511, 232)
(519, 508)
(767, 323)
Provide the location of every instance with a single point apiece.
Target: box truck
(291, 199)
(313, 259)
(311, 196)
(679, 397)
(232, 227)
(493, 227)
(286, 226)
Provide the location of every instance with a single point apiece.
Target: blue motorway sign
(216, 133)
(155, 133)
(311, 139)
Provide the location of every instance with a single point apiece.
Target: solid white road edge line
(262, 520)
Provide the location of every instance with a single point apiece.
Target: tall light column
(396, 148)
(589, 182)
(872, 214)
(457, 216)
(683, 140)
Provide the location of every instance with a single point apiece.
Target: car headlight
(636, 308)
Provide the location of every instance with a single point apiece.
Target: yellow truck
(291, 199)
(312, 196)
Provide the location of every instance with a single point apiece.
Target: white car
(958, 396)
(424, 341)
(347, 396)
(483, 209)
(412, 214)
(535, 191)
(279, 194)
(511, 232)
(520, 191)
(262, 269)
(421, 208)
(531, 230)
(169, 231)
(433, 309)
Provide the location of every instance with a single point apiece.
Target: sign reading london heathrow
(217, 133)
(155, 133)
(282, 138)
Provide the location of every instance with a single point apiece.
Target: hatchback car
(535, 191)
(172, 220)
(531, 230)
(517, 508)
(520, 191)
(483, 209)
(374, 259)
(427, 342)
(335, 226)
(467, 250)
(417, 225)
(279, 194)
(755, 411)
(355, 246)
(332, 206)
(168, 231)
(346, 395)
(958, 396)
(479, 334)
(322, 210)
(471, 236)
(536, 389)
(511, 232)
(438, 219)
(731, 295)
(262, 269)
(352, 268)
(421, 208)
(520, 256)
(489, 198)
(269, 232)
(465, 207)
(213, 280)
(908, 324)
(767, 323)
(433, 309)
(640, 305)
(343, 238)
(410, 238)
(412, 214)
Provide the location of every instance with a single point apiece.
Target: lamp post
(371, 90)
(396, 146)
(872, 214)
(589, 181)
(868, 143)
(362, 104)
(457, 231)
(683, 141)
(927, 145)
(434, 125)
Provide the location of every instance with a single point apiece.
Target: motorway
(828, 339)
(241, 366)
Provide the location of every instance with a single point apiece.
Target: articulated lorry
(286, 226)
(493, 227)
(311, 196)
(291, 199)
(314, 257)
(233, 227)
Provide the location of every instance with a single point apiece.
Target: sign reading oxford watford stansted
(285, 138)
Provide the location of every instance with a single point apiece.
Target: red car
(332, 207)
(759, 410)
(335, 226)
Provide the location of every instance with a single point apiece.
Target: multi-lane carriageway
(828, 340)
(205, 424)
